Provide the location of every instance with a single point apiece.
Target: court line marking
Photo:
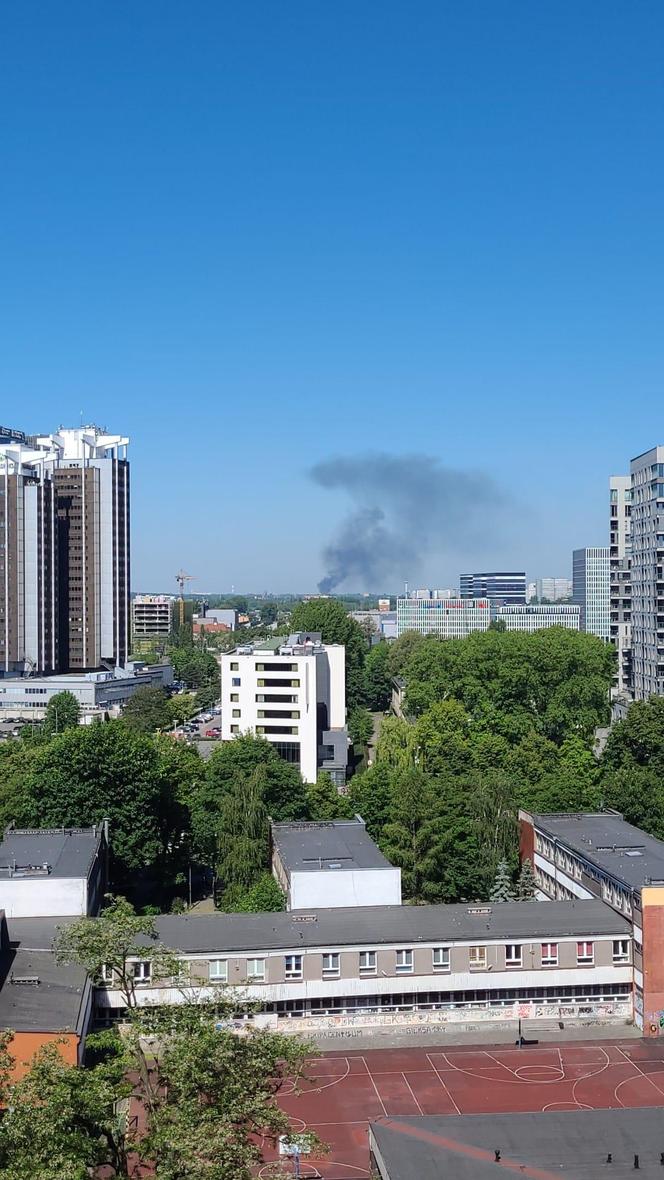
(586, 1076)
(411, 1090)
(639, 1071)
(443, 1084)
(376, 1089)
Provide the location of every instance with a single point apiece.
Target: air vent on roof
(479, 909)
(305, 918)
(32, 980)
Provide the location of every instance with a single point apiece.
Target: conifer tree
(526, 884)
(502, 886)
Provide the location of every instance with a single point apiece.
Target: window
(549, 954)
(404, 962)
(142, 971)
(235, 728)
(585, 952)
(235, 696)
(293, 966)
(330, 966)
(477, 956)
(218, 969)
(367, 962)
(256, 970)
(237, 713)
(236, 682)
(513, 956)
(106, 973)
(235, 667)
(621, 950)
(441, 958)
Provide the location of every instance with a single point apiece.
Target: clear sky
(261, 236)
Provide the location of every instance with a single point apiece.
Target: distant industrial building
(501, 589)
(533, 617)
(448, 618)
(151, 617)
(96, 692)
(332, 864)
(591, 584)
(291, 692)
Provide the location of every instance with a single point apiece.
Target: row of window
(614, 894)
(368, 961)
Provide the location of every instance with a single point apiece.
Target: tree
(264, 896)
(147, 710)
(206, 1100)
(526, 886)
(360, 726)
(285, 795)
(181, 707)
(62, 712)
(327, 616)
(637, 740)
(377, 678)
(197, 669)
(397, 745)
(242, 831)
(502, 886)
(324, 801)
(108, 770)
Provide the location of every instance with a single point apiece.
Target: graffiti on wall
(602, 1011)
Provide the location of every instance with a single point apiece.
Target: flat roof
(390, 924)
(330, 845)
(608, 841)
(69, 852)
(555, 1143)
(38, 994)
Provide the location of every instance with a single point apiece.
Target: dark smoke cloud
(407, 507)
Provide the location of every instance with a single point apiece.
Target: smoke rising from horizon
(406, 507)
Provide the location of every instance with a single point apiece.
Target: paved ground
(344, 1092)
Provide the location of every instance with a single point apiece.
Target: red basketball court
(344, 1092)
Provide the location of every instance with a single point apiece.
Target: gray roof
(310, 847)
(556, 1143)
(69, 852)
(57, 1002)
(376, 925)
(609, 842)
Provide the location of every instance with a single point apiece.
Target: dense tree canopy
(62, 712)
(329, 617)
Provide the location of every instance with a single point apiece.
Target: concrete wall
(43, 897)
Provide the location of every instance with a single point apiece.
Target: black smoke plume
(406, 508)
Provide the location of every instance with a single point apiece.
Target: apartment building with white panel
(292, 692)
(447, 618)
(647, 573)
(535, 617)
(620, 563)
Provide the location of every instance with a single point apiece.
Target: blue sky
(259, 236)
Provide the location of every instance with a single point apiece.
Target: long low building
(443, 963)
(95, 691)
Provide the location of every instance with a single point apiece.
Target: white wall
(336, 888)
(43, 897)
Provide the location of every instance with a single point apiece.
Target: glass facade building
(448, 618)
(501, 589)
(591, 585)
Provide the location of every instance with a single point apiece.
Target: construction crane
(181, 577)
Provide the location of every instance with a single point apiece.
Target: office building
(620, 604)
(151, 617)
(647, 576)
(291, 692)
(600, 855)
(29, 566)
(332, 864)
(446, 965)
(64, 521)
(533, 617)
(553, 589)
(501, 589)
(447, 618)
(590, 579)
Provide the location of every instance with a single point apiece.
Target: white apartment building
(590, 578)
(620, 551)
(291, 692)
(647, 562)
(448, 618)
(535, 617)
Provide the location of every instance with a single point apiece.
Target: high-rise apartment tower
(590, 581)
(647, 573)
(620, 624)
